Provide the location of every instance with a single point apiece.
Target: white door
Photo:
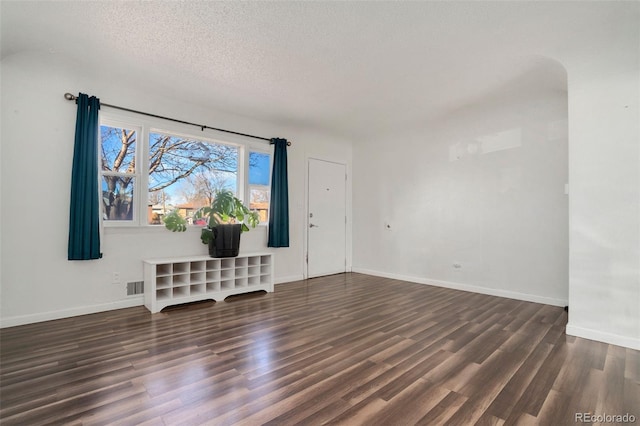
(326, 224)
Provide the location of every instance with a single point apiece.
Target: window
(146, 173)
(259, 183)
(118, 174)
(185, 173)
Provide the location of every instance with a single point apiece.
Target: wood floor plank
(421, 395)
(514, 389)
(347, 349)
(443, 410)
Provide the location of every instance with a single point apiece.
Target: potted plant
(226, 219)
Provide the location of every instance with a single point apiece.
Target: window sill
(158, 229)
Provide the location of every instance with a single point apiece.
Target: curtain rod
(70, 97)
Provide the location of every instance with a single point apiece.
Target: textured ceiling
(352, 68)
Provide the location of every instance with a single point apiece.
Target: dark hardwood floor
(346, 349)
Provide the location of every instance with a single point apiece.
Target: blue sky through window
(259, 168)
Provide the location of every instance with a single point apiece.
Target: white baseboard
(92, 309)
(288, 279)
(66, 313)
(601, 336)
(468, 287)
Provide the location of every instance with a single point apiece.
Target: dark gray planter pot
(225, 241)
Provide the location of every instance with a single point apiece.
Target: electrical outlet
(115, 278)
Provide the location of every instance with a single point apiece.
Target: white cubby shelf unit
(177, 280)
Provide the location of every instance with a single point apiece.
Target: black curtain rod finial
(271, 141)
(68, 96)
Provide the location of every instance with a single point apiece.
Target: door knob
(311, 225)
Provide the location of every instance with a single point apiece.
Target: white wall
(482, 188)
(38, 282)
(604, 173)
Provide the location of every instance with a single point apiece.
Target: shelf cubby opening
(197, 266)
(241, 262)
(196, 277)
(163, 269)
(265, 279)
(254, 270)
(180, 280)
(163, 282)
(180, 291)
(181, 268)
(227, 274)
(227, 263)
(226, 284)
(265, 260)
(240, 282)
(213, 265)
(213, 276)
(197, 289)
(254, 261)
(163, 294)
(213, 286)
(265, 269)
(253, 281)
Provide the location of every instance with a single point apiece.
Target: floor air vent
(135, 287)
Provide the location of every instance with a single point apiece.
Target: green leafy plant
(224, 210)
(175, 222)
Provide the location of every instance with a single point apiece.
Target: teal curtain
(279, 206)
(84, 214)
